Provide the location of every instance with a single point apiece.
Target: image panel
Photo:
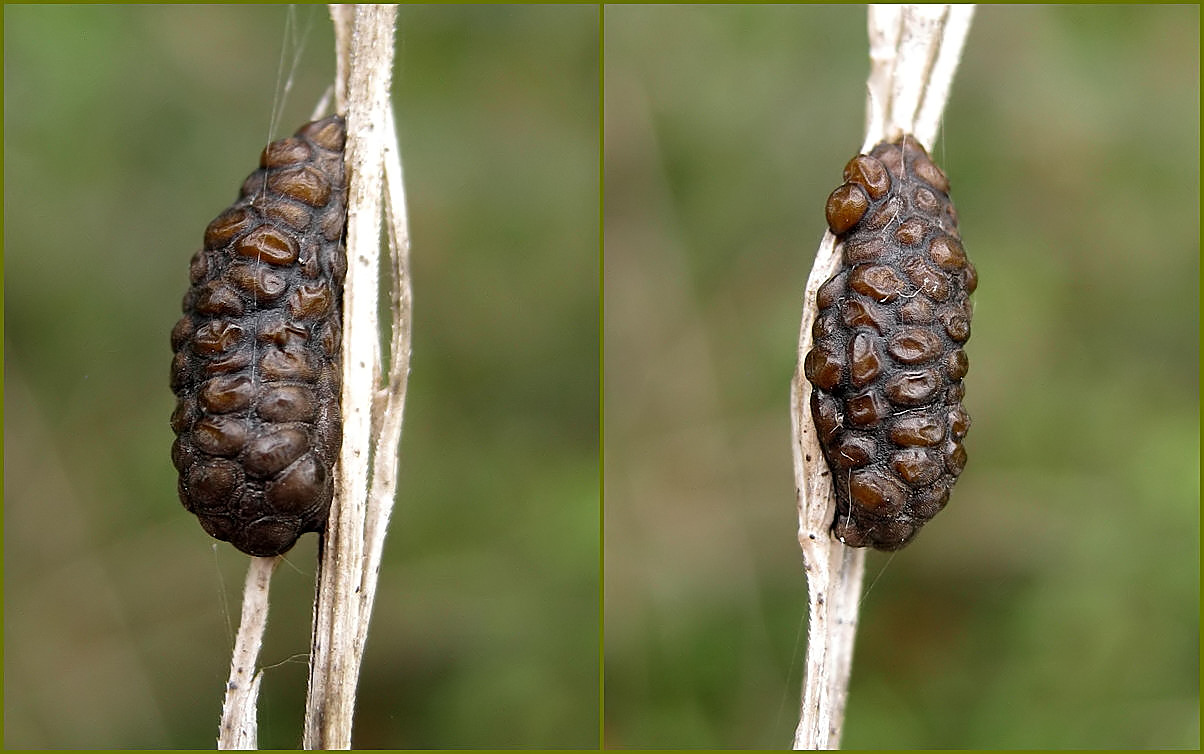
(1023, 616)
(127, 130)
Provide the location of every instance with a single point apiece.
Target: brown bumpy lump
(256, 370)
(887, 363)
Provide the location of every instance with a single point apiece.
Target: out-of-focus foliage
(1055, 603)
(127, 129)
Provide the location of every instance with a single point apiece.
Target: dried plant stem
(239, 727)
(914, 51)
(372, 414)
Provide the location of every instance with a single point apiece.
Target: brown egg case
(257, 366)
(887, 363)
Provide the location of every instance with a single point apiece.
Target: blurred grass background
(127, 129)
(1055, 603)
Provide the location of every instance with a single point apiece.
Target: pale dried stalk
(389, 402)
(914, 52)
(239, 726)
(372, 415)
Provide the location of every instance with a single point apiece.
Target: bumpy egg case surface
(256, 371)
(887, 362)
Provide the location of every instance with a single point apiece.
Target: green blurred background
(1055, 603)
(127, 129)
